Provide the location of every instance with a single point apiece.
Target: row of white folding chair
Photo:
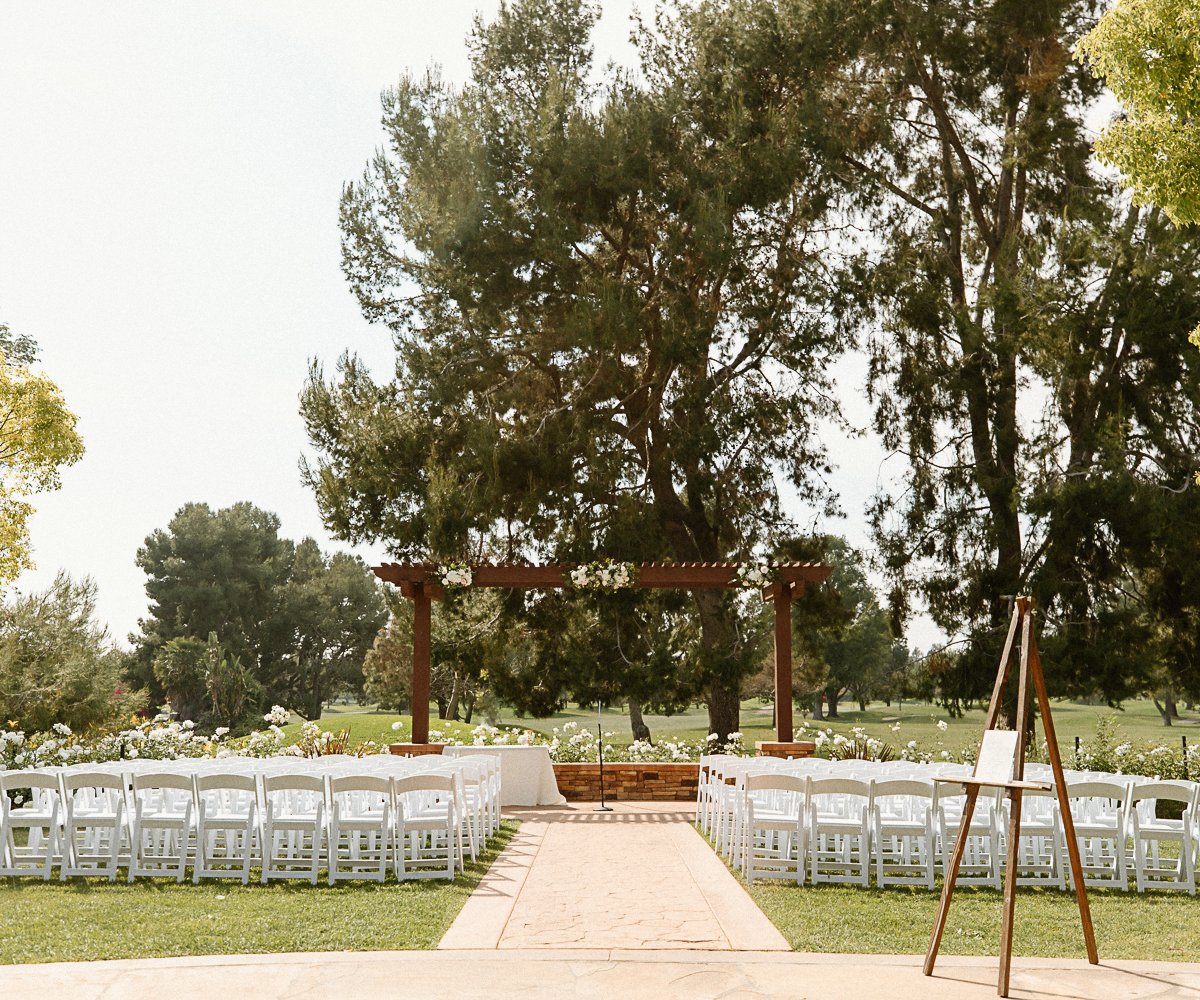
(1042, 848)
(84, 819)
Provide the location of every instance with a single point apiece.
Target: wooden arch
(418, 582)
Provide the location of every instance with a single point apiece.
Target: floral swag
(756, 574)
(453, 575)
(606, 575)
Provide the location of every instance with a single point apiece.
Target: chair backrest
(225, 780)
(424, 782)
(775, 782)
(93, 779)
(13, 780)
(839, 786)
(293, 782)
(911, 788)
(344, 785)
(1118, 791)
(143, 782)
(1173, 791)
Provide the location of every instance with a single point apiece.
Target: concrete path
(591, 975)
(637, 877)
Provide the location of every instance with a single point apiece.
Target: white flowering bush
(163, 739)
(454, 575)
(756, 574)
(278, 716)
(572, 743)
(159, 739)
(606, 575)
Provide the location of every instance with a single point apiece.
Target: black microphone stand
(601, 808)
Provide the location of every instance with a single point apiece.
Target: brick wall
(642, 782)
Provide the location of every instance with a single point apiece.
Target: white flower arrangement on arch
(454, 575)
(756, 574)
(606, 575)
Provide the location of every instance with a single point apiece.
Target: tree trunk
(1164, 711)
(452, 707)
(1169, 703)
(468, 707)
(819, 707)
(724, 711)
(636, 723)
(832, 694)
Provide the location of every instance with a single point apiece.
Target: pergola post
(420, 664)
(783, 662)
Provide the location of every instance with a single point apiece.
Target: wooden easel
(992, 759)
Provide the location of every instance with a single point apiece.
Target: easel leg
(1010, 889)
(1064, 806)
(951, 876)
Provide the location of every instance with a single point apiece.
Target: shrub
(57, 664)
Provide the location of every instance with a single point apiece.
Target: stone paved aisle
(639, 877)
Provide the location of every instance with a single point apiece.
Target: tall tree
(1022, 320)
(334, 610)
(608, 302)
(37, 440)
(219, 572)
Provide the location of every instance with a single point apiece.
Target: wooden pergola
(419, 583)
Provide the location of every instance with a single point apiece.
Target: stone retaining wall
(640, 782)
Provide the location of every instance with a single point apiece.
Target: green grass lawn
(89, 920)
(1159, 926)
(1138, 721)
(373, 725)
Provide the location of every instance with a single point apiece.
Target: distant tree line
(239, 619)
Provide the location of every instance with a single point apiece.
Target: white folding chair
(162, 824)
(839, 837)
(981, 861)
(227, 826)
(29, 802)
(293, 826)
(1100, 811)
(360, 827)
(772, 830)
(903, 832)
(1041, 849)
(428, 825)
(96, 829)
(1155, 868)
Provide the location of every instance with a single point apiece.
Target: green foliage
(1148, 53)
(241, 618)
(57, 664)
(1024, 323)
(179, 667)
(37, 440)
(333, 610)
(217, 572)
(610, 313)
(387, 668)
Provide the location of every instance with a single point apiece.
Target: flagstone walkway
(639, 877)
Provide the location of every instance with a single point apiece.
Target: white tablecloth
(526, 774)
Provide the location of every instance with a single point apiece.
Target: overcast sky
(169, 183)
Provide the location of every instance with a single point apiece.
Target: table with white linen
(526, 773)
